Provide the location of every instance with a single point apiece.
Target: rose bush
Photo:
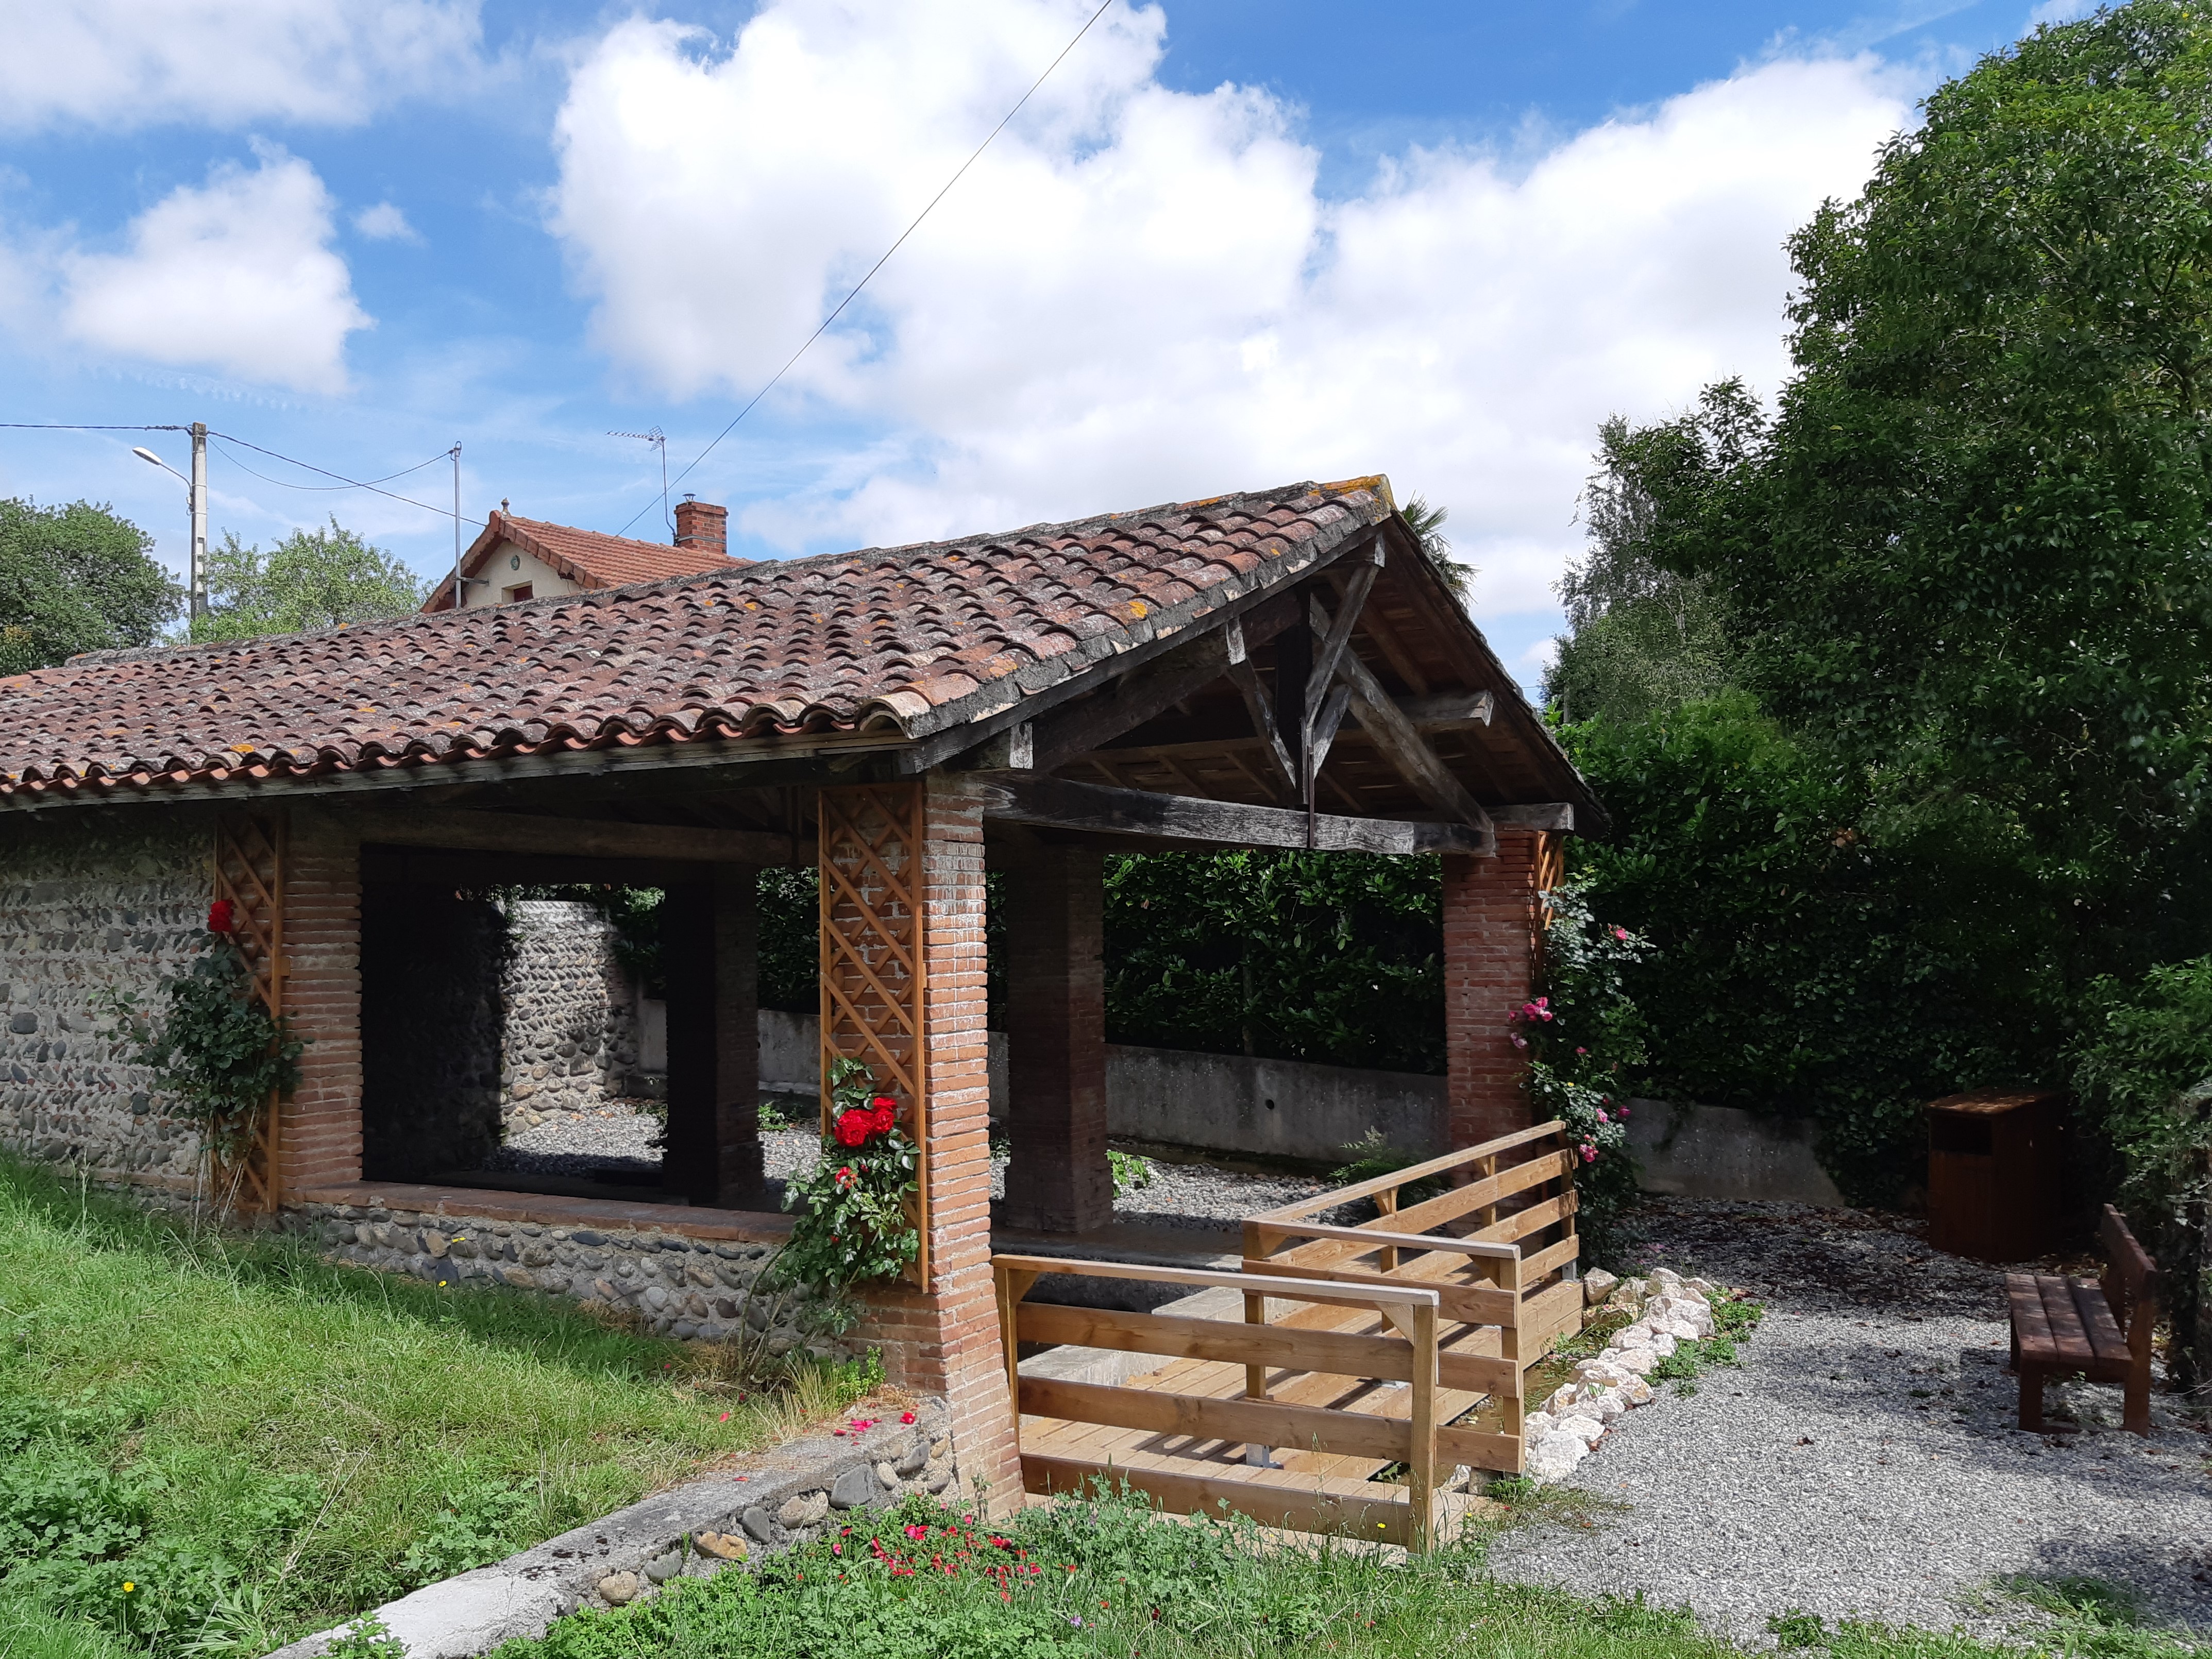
(855, 1216)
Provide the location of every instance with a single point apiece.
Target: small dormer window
(516, 594)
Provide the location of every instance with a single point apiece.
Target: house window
(520, 591)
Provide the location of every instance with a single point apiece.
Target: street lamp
(196, 501)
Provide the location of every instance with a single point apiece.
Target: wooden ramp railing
(1369, 1363)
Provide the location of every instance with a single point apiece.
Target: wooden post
(1512, 1407)
(1421, 1467)
(1386, 1203)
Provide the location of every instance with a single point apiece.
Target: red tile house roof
(903, 641)
(585, 557)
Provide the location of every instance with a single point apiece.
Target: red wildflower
(917, 1532)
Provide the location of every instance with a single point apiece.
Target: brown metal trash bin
(1993, 1173)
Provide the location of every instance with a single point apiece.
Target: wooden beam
(1063, 803)
(1150, 691)
(432, 867)
(457, 829)
(1380, 717)
(1445, 711)
(1544, 815)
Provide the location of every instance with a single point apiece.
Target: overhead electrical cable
(370, 483)
(352, 483)
(823, 327)
(78, 426)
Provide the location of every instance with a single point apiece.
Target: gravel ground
(1862, 1461)
(616, 1144)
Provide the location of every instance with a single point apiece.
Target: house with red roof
(517, 559)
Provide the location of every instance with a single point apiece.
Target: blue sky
(1231, 243)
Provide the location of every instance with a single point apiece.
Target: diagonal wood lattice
(249, 873)
(871, 957)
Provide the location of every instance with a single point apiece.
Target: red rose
(219, 919)
(855, 1126)
(885, 1116)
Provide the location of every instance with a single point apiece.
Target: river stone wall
(681, 1287)
(721, 1522)
(571, 1042)
(93, 901)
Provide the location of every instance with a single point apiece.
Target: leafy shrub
(479, 1521)
(855, 1224)
(1131, 1172)
(215, 1046)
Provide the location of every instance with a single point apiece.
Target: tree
(311, 580)
(1641, 639)
(75, 578)
(1427, 524)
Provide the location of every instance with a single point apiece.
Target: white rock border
(1566, 1428)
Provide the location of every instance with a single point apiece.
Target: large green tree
(310, 579)
(75, 578)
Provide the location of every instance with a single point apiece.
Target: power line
(71, 426)
(285, 483)
(353, 483)
(880, 263)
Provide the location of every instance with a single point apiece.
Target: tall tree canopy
(75, 578)
(1903, 689)
(311, 580)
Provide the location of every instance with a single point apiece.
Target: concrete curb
(522, 1595)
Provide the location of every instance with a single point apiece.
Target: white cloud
(1138, 294)
(118, 65)
(238, 278)
(385, 222)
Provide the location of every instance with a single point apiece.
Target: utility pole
(199, 520)
(456, 453)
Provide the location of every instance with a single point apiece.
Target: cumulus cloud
(1139, 294)
(385, 222)
(237, 276)
(120, 64)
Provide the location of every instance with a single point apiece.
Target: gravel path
(616, 1145)
(1862, 1461)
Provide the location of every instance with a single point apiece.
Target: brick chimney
(702, 526)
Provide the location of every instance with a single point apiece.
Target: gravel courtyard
(1862, 1462)
(616, 1145)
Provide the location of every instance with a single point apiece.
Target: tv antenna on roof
(659, 439)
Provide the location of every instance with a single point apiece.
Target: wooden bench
(2078, 1327)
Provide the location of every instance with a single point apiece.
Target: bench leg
(2135, 1402)
(2030, 1396)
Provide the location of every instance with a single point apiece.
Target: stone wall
(572, 1029)
(93, 901)
(680, 1287)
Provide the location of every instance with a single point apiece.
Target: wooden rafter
(872, 965)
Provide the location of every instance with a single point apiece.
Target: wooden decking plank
(2067, 1335)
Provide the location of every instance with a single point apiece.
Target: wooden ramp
(1368, 1364)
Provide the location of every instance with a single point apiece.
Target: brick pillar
(319, 1128)
(946, 1341)
(709, 955)
(1490, 920)
(1059, 1180)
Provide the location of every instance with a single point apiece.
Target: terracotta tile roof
(910, 640)
(585, 557)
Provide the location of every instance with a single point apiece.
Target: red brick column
(1059, 1180)
(318, 1129)
(1490, 922)
(946, 1341)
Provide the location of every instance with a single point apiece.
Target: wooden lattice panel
(249, 874)
(871, 955)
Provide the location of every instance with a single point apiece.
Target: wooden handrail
(1376, 1239)
(1287, 1290)
(1438, 1166)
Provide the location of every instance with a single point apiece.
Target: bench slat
(2028, 1317)
(2104, 1331)
(2066, 1332)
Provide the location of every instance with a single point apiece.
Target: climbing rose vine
(853, 1224)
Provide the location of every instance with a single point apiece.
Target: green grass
(221, 1442)
(1103, 1578)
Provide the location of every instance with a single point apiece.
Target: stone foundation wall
(681, 1287)
(572, 1029)
(93, 901)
